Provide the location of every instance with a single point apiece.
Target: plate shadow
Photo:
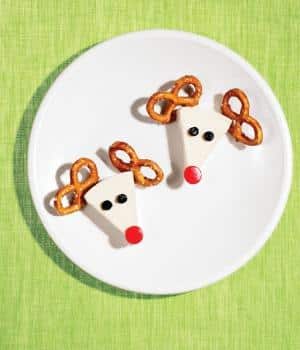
(25, 201)
(175, 147)
(217, 106)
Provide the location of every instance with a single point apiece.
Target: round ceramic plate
(193, 235)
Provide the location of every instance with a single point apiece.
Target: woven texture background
(48, 303)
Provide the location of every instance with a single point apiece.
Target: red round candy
(134, 234)
(192, 174)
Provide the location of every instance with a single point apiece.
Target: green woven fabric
(48, 303)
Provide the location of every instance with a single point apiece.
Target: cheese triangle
(120, 215)
(196, 148)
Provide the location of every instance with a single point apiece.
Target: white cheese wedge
(196, 148)
(120, 215)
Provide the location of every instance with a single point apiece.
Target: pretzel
(135, 164)
(76, 187)
(239, 118)
(173, 99)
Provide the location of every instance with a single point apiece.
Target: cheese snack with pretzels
(111, 199)
(199, 129)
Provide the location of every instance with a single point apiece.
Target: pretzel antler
(173, 99)
(76, 187)
(135, 164)
(239, 118)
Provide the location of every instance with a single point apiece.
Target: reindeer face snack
(114, 197)
(200, 129)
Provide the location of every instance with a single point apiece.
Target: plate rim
(288, 158)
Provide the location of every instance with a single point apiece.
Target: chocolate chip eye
(106, 205)
(193, 131)
(122, 198)
(208, 136)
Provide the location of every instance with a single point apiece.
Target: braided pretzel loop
(77, 188)
(173, 99)
(135, 164)
(242, 117)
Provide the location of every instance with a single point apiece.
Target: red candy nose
(133, 234)
(192, 174)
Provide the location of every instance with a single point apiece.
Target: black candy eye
(193, 131)
(208, 136)
(122, 198)
(106, 205)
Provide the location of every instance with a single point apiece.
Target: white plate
(193, 235)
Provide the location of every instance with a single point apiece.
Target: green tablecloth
(48, 303)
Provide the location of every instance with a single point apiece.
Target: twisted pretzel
(173, 99)
(239, 118)
(76, 187)
(135, 164)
